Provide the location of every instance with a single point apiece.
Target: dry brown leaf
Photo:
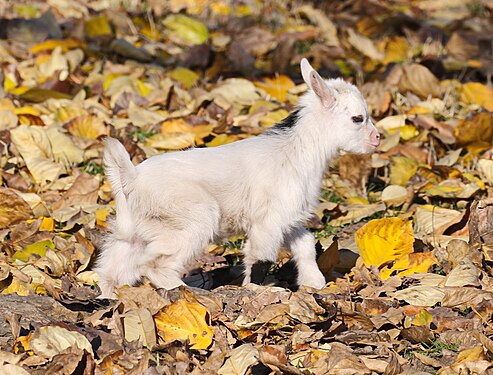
(12, 208)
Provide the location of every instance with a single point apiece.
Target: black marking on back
(288, 123)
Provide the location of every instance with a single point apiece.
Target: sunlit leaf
(409, 264)
(187, 28)
(394, 195)
(185, 76)
(171, 141)
(184, 320)
(402, 169)
(51, 44)
(86, 126)
(19, 287)
(479, 128)
(221, 139)
(396, 50)
(274, 117)
(12, 208)
(433, 219)
(98, 26)
(277, 87)
(422, 318)
(139, 325)
(477, 93)
(37, 248)
(384, 240)
(49, 341)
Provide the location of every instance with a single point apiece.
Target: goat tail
(120, 173)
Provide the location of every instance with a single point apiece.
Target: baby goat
(171, 206)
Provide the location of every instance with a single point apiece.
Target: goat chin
(171, 206)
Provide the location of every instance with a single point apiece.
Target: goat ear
(306, 69)
(317, 84)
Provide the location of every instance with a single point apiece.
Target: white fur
(171, 206)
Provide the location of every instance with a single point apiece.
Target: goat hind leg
(302, 245)
(261, 245)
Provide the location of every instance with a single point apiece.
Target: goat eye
(357, 119)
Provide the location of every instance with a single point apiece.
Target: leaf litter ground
(408, 292)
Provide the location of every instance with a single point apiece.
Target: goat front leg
(301, 243)
(262, 244)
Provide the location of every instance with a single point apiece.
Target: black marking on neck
(288, 123)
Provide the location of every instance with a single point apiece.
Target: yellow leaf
(384, 240)
(408, 132)
(357, 200)
(39, 248)
(98, 26)
(86, 126)
(187, 28)
(22, 344)
(177, 125)
(401, 170)
(19, 287)
(184, 320)
(221, 139)
(477, 93)
(277, 87)
(47, 225)
(51, 44)
(171, 141)
(272, 118)
(477, 129)
(192, 6)
(396, 50)
(9, 83)
(220, 8)
(471, 355)
(69, 112)
(142, 88)
(409, 264)
(185, 76)
(101, 216)
(27, 111)
(422, 318)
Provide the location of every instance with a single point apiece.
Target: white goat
(171, 206)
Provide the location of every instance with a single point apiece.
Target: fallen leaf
(183, 320)
(37, 248)
(87, 126)
(477, 93)
(276, 87)
(12, 208)
(240, 359)
(421, 295)
(409, 264)
(419, 80)
(394, 195)
(364, 45)
(384, 240)
(139, 325)
(49, 341)
(479, 128)
(189, 29)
